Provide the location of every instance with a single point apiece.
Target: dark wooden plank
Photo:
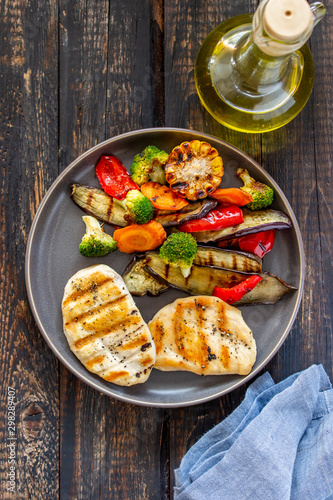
(28, 69)
(322, 47)
(134, 71)
(109, 449)
(82, 76)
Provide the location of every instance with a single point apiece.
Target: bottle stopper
(287, 20)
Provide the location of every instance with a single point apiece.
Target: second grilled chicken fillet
(104, 328)
(204, 335)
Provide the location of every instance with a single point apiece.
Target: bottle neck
(257, 68)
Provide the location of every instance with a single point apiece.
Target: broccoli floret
(262, 195)
(179, 250)
(149, 166)
(95, 243)
(139, 209)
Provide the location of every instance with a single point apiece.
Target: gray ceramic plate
(53, 257)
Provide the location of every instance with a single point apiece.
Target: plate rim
(109, 392)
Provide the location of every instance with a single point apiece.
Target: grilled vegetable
(140, 238)
(232, 196)
(202, 281)
(139, 209)
(162, 197)
(260, 220)
(95, 242)
(218, 218)
(179, 250)
(139, 282)
(237, 292)
(149, 166)
(257, 243)
(261, 193)
(114, 178)
(193, 210)
(96, 202)
(194, 169)
(228, 259)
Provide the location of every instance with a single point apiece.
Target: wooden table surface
(72, 75)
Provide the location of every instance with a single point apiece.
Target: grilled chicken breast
(204, 335)
(104, 328)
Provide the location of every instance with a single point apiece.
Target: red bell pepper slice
(113, 177)
(258, 243)
(217, 218)
(231, 295)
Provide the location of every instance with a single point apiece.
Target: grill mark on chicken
(90, 364)
(111, 330)
(147, 361)
(189, 347)
(96, 309)
(202, 341)
(87, 287)
(225, 356)
(179, 330)
(159, 332)
(112, 376)
(132, 344)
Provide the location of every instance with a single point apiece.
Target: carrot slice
(140, 238)
(235, 196)
(162, 197)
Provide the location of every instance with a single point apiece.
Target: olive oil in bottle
(254, 73)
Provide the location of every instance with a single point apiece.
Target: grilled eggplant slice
(139, 282)
(254, 221)
(193, 210)
(229, 259)
(96, 202)
(202, 280)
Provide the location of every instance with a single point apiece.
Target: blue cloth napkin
(277, 445)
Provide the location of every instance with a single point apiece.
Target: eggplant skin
(194, 210)
(254, 221)
(228, 259)
(139, 282)
(96, 202)
(203, 279)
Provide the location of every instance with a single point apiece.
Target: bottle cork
(287, 20)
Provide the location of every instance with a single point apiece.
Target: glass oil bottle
(254, 73)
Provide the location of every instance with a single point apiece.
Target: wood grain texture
(83, 61)
(73, 74)
(322, 44)
(134, 74)
(29, 113)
